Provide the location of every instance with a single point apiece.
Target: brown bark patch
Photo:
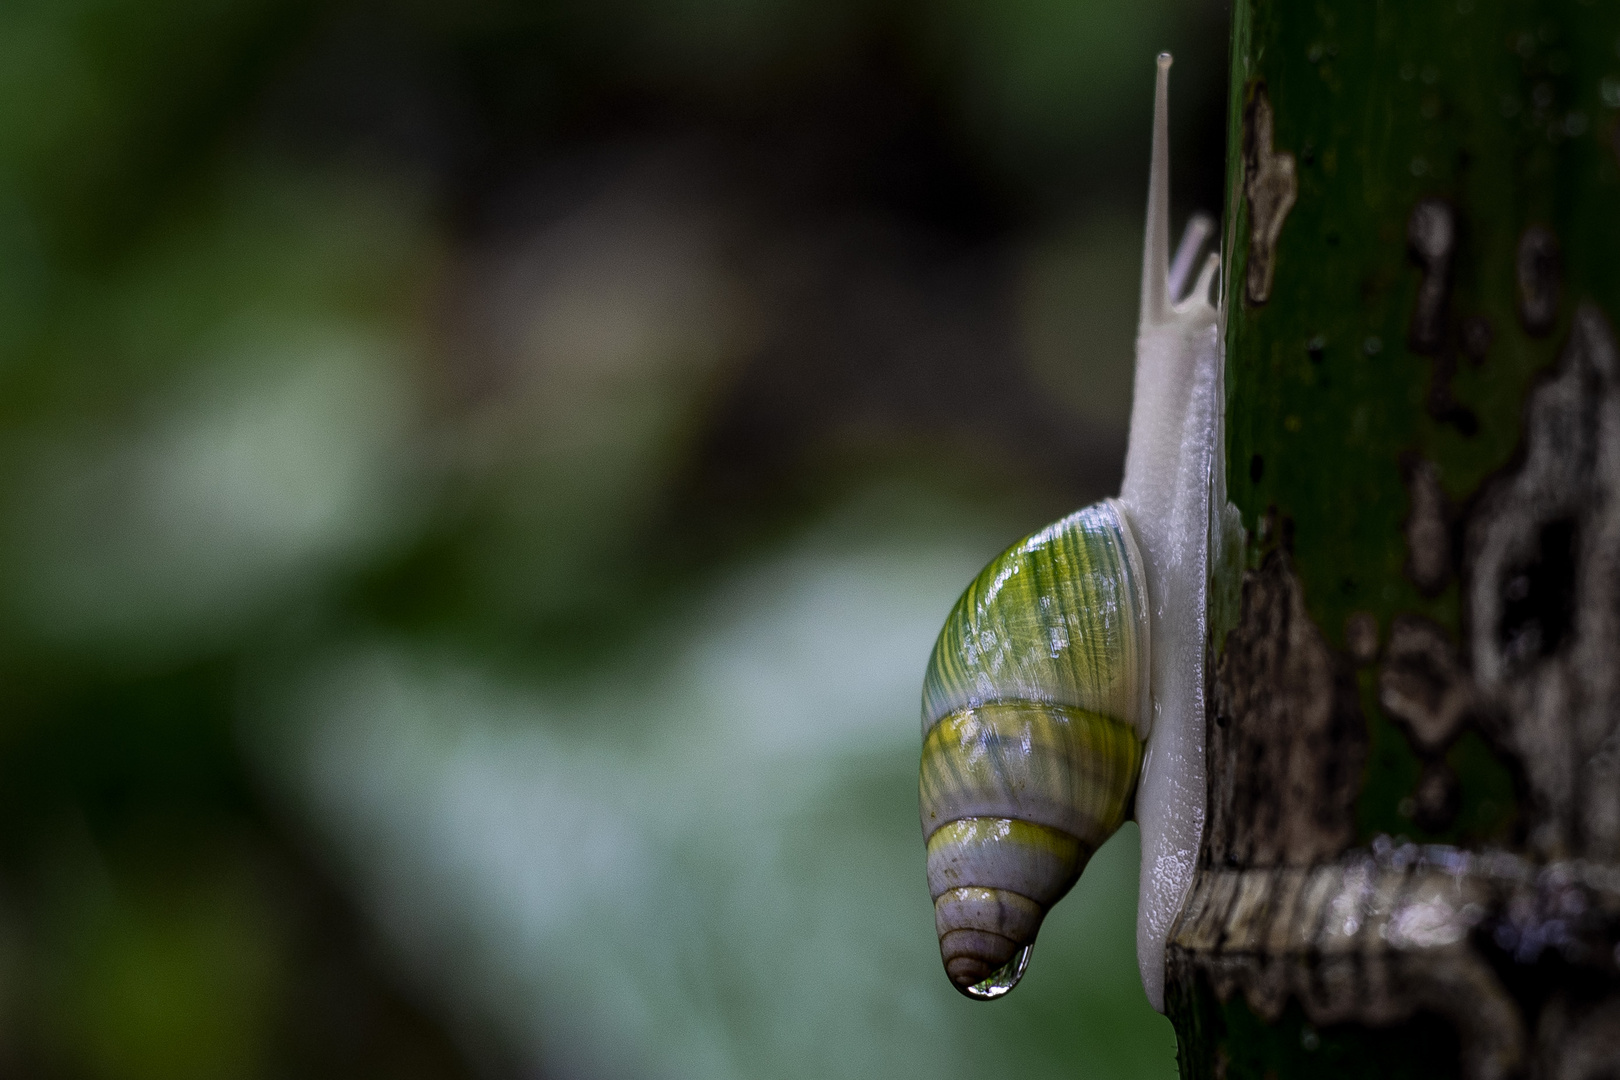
(1538, 271)
(1431, 239)
(1428, 526)
(1270, 185)
(1288, 740)
(1424, 685)
(1361, 636)
(1542, 594)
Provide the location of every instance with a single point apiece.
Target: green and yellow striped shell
(1034, 712)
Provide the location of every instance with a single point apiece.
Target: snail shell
(1035, 708)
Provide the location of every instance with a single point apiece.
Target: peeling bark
(1270, 187)
(1287, 742)
(1542, 573)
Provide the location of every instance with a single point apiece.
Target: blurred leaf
(221, 425)
(163, 979)
(703, 860)
(101, 101)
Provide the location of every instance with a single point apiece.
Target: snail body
(1074, 652)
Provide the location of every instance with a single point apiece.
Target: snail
(1065, 692)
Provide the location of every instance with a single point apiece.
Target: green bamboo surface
(1508, 112)
(1383, 105)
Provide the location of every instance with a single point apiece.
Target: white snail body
(1065, 692)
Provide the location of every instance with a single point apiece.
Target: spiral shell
(1035, 706)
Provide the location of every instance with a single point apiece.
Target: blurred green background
(479, 482)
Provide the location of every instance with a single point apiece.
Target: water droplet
(1003, 979)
